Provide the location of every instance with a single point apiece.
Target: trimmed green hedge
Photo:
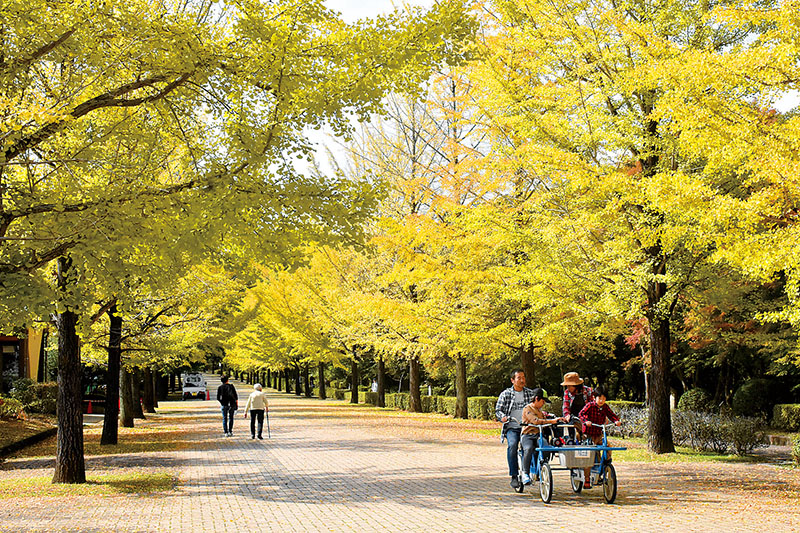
(398, 400)
(481, 407)
(371, 397)
(786, 416)
(446, 405)
(478, 407)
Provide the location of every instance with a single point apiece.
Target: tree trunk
(527, 363)
(287, 381)
(126, 390)
(354, 379)
(111, 415)
(149, 393)
(136, 387)
(70, 466)
(381, 382)
(415, 402)
(462, 409)
(298, 387)
(161, 388)
(307, 381)
(659, 438)
(321, 372)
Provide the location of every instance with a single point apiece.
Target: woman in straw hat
(576, 395)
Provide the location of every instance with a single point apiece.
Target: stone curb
(27, 441)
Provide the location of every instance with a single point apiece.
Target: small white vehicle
(193, 386)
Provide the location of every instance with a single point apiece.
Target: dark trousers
(530, 441)
(259, 414)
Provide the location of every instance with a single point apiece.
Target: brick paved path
(333, 467)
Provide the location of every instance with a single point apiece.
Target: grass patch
(156, 434)
(141, 483)
(12, 431)
(494, 432)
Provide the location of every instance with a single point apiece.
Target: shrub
(796, 450)
(786, 416)
(371, 398)
(744, 434)
(35, 397)
(22, 390)
(481, 407)
(754, 398)
(624, 404)
(338, 394)
(634, 422)
(554, 405)
(697, 400)
(398, 400)
(718, 433)
(446, 405)
(46, 406)
(10, 407)
(428, 402)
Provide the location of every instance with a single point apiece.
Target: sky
(355, 9)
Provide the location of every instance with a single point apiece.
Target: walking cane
(269, 435)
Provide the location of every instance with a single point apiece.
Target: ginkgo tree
(232, 86)
(582, 108)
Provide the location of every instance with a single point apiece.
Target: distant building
(23, 357)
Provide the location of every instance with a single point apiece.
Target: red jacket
(597, 416)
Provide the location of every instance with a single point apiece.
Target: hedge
(786, 416)
(35, 397)
(446, 405)
(371, 398)
(478, 407)
(481, 407)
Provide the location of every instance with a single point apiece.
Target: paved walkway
(330, 466)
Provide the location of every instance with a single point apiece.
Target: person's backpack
(226, 396)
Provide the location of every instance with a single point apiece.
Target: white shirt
(257, 400)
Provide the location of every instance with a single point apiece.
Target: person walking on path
(229, 400)
(257, 405)
(509, 411)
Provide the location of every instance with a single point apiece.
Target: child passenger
(533, 414)
(593, 415)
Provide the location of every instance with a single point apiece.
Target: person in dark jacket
(229, 400)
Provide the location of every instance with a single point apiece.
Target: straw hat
(572, 378)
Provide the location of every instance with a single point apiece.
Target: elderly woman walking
(256, 405)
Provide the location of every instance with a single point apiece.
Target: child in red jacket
(593, 415)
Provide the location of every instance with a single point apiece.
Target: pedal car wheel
(576, 480)
(546, 483)
(609, 483)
